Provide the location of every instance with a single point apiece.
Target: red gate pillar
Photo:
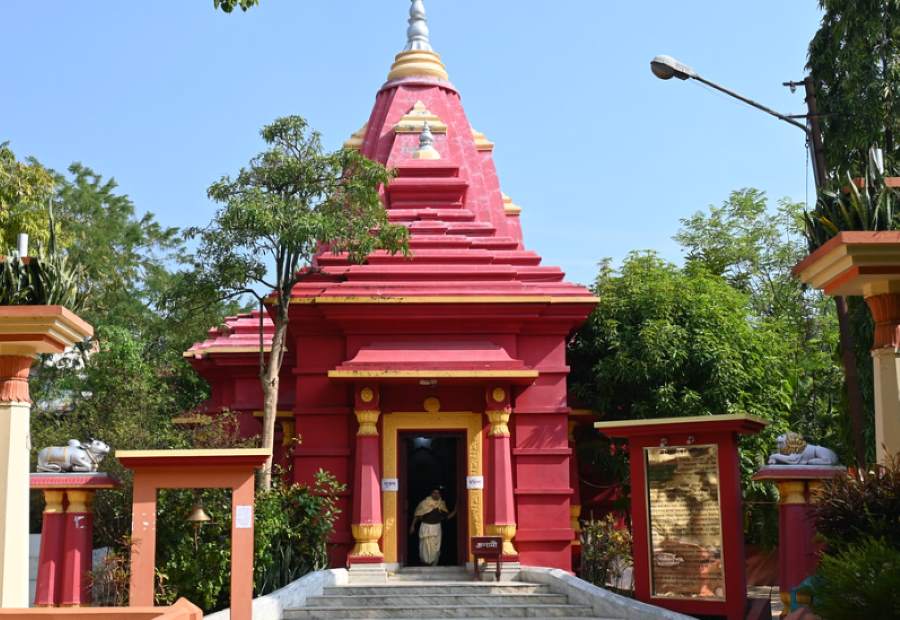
(367, 524)
(79, 536)
(798, 551)
(50, 560)
(498, 410)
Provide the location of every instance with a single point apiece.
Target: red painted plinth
(67, 531)
(798, 551)
(50, 561)
(75, 588)
(689, 433)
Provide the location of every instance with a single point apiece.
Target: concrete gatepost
(867, 264)
(798, 550)
(25, 332)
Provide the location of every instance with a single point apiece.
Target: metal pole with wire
(666, 67)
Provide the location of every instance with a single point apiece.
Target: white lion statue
(75, 457)
(793, 450)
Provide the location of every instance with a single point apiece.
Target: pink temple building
(446, 368)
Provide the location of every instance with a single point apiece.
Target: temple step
(425, 608)
(420, 589)
(440, 592)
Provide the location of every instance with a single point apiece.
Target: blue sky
(604, 158)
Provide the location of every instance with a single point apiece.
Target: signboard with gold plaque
(685, 522)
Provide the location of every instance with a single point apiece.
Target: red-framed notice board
(686, 516)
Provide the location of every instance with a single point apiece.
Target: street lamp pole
(666, 67)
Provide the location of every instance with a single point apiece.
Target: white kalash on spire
(417, 33)
(417, 59)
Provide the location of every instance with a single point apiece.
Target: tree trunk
(855, 404)
(269, 377)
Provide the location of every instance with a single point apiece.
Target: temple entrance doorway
(429, 460)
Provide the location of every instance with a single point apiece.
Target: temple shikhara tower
(444, 369)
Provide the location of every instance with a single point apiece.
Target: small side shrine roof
(409, 360)
(238, 334)
(732, 422)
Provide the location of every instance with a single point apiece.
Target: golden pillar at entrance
(367, 525)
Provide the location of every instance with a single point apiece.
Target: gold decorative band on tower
(499, 420)
(507, 532)
(367, 419)
(418, 63)
(366, 536)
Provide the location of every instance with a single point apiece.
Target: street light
(666, 67)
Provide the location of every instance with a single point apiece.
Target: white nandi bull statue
(793, 450)
(75, 457)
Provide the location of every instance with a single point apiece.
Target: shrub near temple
(859, 519)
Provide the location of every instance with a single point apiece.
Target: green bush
(291, 529)
(854, 508)
(862, 581)
(605, 551)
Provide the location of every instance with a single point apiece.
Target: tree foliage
(292, 200)
(855, 63)
(229, 5)
(25, 188)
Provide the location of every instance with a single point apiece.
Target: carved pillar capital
(791, 491)
(367, 418)
(14, 370)
(499, 420)
(885, 309)
(53, 501)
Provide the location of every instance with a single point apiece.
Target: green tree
(229, 5)
(292, 200)
(755, 249)
(855, 63)
(25, 188)
(667, 342)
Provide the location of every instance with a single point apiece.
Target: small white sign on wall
(391, 485)
(243, 517)
(474, 482)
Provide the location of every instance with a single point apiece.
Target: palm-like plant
(42, 280)
(865, 204)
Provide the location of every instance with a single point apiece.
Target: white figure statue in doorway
(432, 512)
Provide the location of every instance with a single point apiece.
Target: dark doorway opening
(428, 460)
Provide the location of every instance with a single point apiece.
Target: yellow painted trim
(414, 121)
(203, 352)
(481, 141)
(193, 419)
(355, 141)
(278, 414)
(450, 299)
(418, 63)
(509, 207)
(694, 418)
(146, 454)
(392, 423)
(427, 374)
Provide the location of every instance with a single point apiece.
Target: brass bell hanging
(198, 518)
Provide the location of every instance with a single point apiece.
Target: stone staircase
(427, 593)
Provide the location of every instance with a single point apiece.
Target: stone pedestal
(798, 552)
(25, 331)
